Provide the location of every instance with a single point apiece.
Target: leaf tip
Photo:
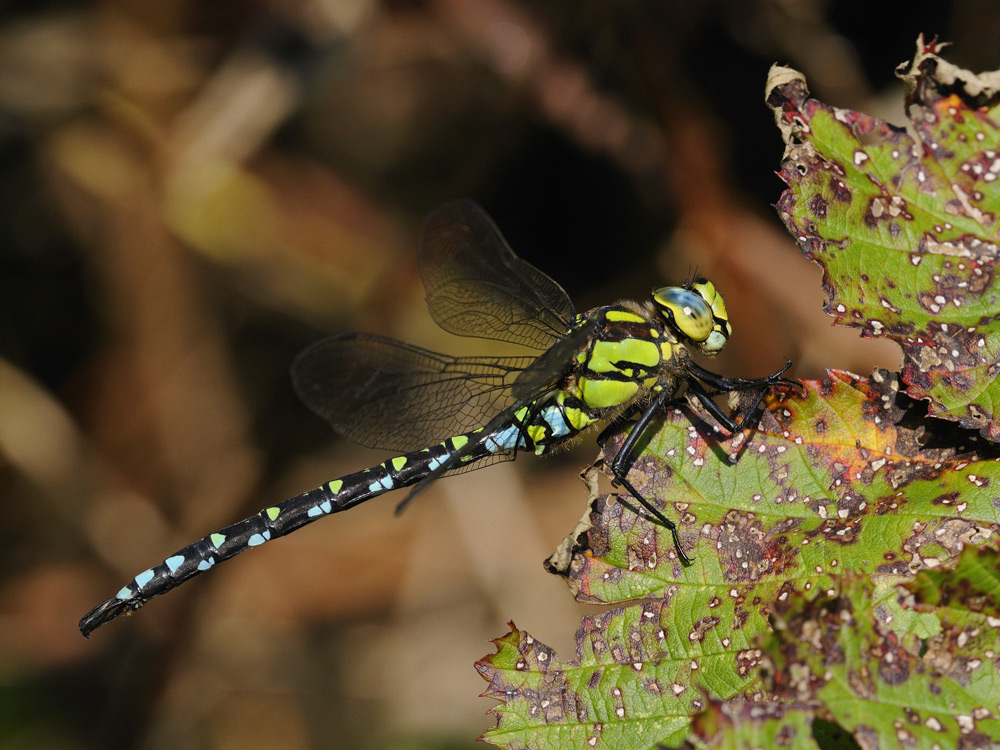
(780, 75)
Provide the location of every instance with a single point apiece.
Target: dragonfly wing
(548, 370)
(382, 393)
(477, 286)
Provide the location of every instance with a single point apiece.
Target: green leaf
(906, 228)
(978, 571)
(967, 603)
(747, 724)
(849, 475)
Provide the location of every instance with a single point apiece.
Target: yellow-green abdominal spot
(536, 433)
(335, 485)
(273, 512)
(399, 462)
(218, 539)
(576, 418)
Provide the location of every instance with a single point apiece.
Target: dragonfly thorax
(697, 313)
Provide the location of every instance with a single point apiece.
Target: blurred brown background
(193, 192)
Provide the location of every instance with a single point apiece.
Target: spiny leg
(729, 385)
(726, 385)
(749, 417)
(623, 462)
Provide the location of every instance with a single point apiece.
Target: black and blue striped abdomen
(285, 517)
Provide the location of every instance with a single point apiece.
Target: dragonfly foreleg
(722, 384)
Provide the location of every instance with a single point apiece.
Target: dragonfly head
(697, 312)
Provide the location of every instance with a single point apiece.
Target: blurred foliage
(193, 192)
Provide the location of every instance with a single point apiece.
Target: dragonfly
(446, 415)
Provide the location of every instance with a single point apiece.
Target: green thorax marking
(609, 356)
(606, 394)
(624, 357)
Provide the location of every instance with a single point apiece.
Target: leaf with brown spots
(907, 227)
(849, 476)
(631, 685)
(966, 603)
(758, 724)
(842, 656)
(973, 586)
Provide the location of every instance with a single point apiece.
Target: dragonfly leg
(726, 385)
(623, 462)
(722, 384)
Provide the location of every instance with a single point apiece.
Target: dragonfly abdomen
(285, 517)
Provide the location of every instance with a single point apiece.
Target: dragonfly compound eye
(686, 310)
(697, 312)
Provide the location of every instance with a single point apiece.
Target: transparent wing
(477, 286)
(382, 393)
